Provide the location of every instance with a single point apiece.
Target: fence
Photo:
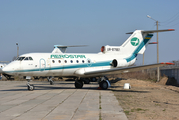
(171, 73)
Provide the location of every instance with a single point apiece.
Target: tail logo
(135, 41)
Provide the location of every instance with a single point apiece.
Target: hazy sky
(38, 25)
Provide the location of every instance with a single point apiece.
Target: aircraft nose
(7, 69)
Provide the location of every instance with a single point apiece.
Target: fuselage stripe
(83, 65)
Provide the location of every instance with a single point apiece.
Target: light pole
(144, 54)
(158, 73)
(17, 50)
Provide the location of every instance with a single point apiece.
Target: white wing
(125, 69)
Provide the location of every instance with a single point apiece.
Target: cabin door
(42, 64)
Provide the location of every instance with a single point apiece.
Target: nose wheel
(30, 87)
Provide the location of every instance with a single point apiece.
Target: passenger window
(71, 61)
(59, 61)
(65, 61)
(83, 61)
(89, 61)
(77, 61)
(53, 61)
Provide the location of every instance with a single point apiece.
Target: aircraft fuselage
(61, 64)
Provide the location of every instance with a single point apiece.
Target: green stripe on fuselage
(71, 66)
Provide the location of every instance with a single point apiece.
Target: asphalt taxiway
(59, 101)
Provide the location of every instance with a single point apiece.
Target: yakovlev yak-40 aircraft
(111, 60)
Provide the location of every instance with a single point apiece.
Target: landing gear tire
(78, 84)
(30, 87)
(103, 84)
(51, 83)
(50, 80)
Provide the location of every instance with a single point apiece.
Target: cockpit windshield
(20, 58)
(24, 58)
(28, 58)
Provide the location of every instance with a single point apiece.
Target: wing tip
(167, 63)
(171, 29)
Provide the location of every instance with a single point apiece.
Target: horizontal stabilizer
(153, 31)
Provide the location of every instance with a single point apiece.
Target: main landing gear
(103, 82)
(78, 83)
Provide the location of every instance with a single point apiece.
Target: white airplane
(2, 65)
(111, 60)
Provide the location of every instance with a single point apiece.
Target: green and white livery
(81, 66)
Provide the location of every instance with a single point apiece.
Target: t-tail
(137, 42)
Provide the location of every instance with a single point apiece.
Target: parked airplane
(2, 65)
(111, 60)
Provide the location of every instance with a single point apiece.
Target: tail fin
(137, 42)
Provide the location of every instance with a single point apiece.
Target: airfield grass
(147, 99)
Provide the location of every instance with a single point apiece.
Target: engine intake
(119, 63)
(114, 63)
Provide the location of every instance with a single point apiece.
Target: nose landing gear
(30, 87)
(103, 82)
(50, 80)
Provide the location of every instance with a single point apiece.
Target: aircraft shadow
(116, 86)
(131, 91)
(49, 83)
(25, 89)
(48, 87)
